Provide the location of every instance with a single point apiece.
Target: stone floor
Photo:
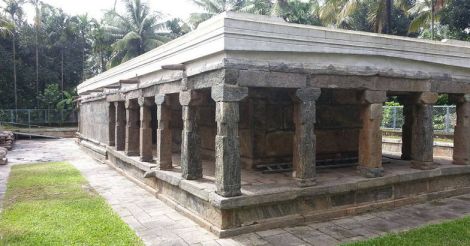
(157, 224)
(256, 183)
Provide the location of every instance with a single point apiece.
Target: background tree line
(42, 62)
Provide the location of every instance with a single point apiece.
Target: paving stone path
(158, 224)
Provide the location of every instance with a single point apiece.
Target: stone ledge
(289, 193)
(294, 193)
(172, 178)
(93, 146)
(138, 164)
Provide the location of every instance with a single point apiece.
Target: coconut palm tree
(37, 26)
(260, 7)
(136, 31)
(15, 11)
(426, 12)
(213, 7)
(58, 39)
(5, 26)
(82, 25)
(337, 12)
(101, 46)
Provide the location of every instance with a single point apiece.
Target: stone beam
(164, 133)
(227, 143)
(258, 78)
(303, 159)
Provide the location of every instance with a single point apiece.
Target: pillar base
(423, 165)
(129, 153)
(306, 182)
(146, 159)
(461, 162)
(190, 176)
(164, 165)
(230, 193)
(371, 172)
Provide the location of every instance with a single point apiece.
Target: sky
(95, 8)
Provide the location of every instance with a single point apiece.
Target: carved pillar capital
(306, 94)
(373, 97)
(145, 101)
(131, 104)
(190, 98)
(228, 93)
(427, 97)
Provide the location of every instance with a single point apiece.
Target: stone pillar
(120, 125)
(461, 154)
(304, 145)
(145, 137)
(164, 134)
(112, 124)
(191, 165)
(422, 137)
(370, 136)
(227, 144)
(132, 128)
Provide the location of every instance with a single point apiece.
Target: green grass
(52, 204)
(456, 232)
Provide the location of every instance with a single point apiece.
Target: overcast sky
(95, 8)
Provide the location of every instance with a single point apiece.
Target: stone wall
(94, 119)
(266, 127)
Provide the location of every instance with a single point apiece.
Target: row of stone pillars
(131, 121)
(417, 131)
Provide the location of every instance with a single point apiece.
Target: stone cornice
(243, 36)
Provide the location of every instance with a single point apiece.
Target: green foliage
(457, 16)
(213, 7)
(137, 31)
(67, 101)
(443, 99)
(51, 96)
(52, 204)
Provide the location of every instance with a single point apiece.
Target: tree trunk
(388, 18)
(14, 70)
(103, 65)
(37, 66)
(62, 72)
(83, 57)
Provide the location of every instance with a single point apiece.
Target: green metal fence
(444, 118)
(38, 117)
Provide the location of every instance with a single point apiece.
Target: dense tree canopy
(43, 61)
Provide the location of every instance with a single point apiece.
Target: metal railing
(444, 118)
(38, 117)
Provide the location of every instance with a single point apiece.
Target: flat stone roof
(239, 38)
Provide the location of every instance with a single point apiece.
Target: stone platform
(274, 200)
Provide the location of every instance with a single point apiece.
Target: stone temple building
(250, 123)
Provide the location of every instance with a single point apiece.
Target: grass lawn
(52, 204)
(456, 232)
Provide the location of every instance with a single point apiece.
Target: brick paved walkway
(158, 224)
